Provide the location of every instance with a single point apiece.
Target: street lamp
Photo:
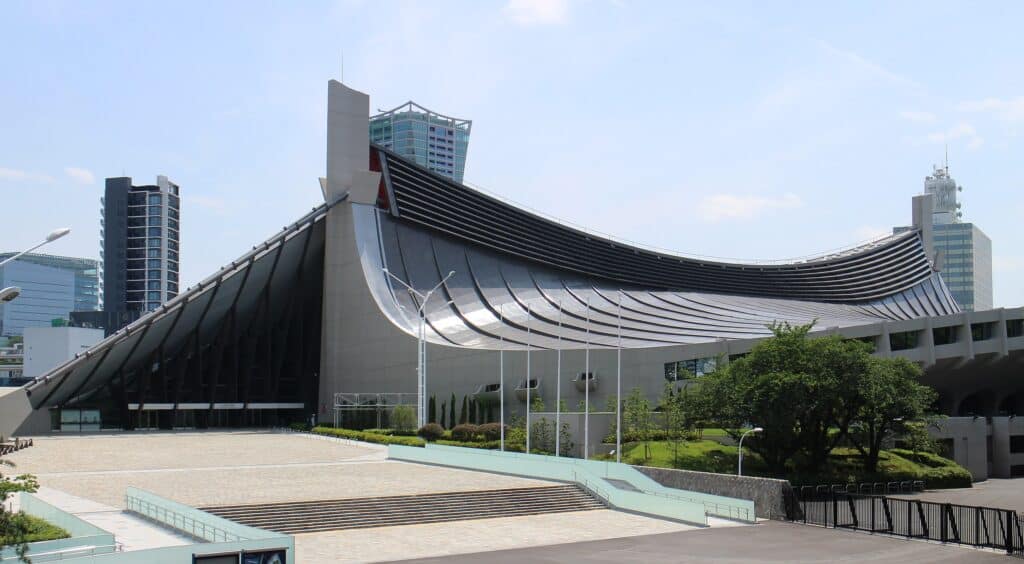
(8, 294)
(421, 351)
(53, 236)
(739, 468)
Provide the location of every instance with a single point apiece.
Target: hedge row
(368, 437)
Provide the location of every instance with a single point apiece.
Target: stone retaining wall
(768, 494)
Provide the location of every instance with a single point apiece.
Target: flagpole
(501, 374)
(558, 386)
(618, 387)
(528, 337)
(586, 392)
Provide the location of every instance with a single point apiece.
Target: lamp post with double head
(8, 294)
(421, 338)
(739, 468)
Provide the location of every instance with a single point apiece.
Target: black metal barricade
(982, 527)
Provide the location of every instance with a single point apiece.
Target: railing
(196, 527)
(980, 527)
(68, 553)
(868, 488)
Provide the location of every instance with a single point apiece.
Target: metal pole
(586, 392)
(618, 387)
(528, 334)
(421, 386)
(558, 386)
(739, 466)
(501, 375)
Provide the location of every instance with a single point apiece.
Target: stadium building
(525, 306)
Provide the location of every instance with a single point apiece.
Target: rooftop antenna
(947, 159)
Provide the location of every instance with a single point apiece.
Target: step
(357, 513)
(333, 517)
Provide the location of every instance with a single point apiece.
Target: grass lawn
(36, 530)
(844, 464)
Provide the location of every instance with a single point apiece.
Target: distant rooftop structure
(944, 188)
(432, 140)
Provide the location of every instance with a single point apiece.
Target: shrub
(403, 419)
(431, 432)
(301, 427)
(491, 431)
(367, 437)
(489, 445)
(465, 432)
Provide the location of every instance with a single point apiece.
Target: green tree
(673, 414)
(637, 418)
(451, 413)
(893, 398)
(14, 529)
(432, 410)
(804, 392)
(444, 409)
(474, 414)
(542, 436)
(464, 412)
(403, 419)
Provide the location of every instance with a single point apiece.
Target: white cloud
(16, 175)
(869, 66)
(210, 204)
(959, 131)
(920, 117)
(80, 175)
(537, 12)
(1010, 109)
(728, 206)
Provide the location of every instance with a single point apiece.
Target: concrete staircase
(360, 513)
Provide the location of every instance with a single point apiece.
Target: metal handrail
(181, 522)
(70, 552)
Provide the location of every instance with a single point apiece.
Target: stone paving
(460, 537)
(214, 468)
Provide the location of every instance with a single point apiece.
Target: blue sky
(746, 130)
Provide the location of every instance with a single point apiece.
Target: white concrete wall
(49, 347)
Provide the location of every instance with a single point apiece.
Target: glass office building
(51, 288)
(140, 237)
(963, 251)
(428, 138)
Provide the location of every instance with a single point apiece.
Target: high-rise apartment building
(51, 288)
(963, 253)
(432, 140)
(140, 245)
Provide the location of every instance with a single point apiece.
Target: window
(152, 306)
(172, 223)
(154, 199)
(154, 243)
(154, 274)
(903, 341)
(981, 331)
(944, 335)
(153, 296)
(1017, 444)
(1014, 328)
(155, 220)
(172, 245)
(136, 265)
(139, 232)
(155, 232)
(688, 369)
(153, 263)
(172, 276)
(154, 210)
(172, 266)
(173, 255)
(153, 285)
(173, 287)
(153, 253)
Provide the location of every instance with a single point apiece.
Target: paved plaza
(770, 542)
(89, 474)
(248, 467)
